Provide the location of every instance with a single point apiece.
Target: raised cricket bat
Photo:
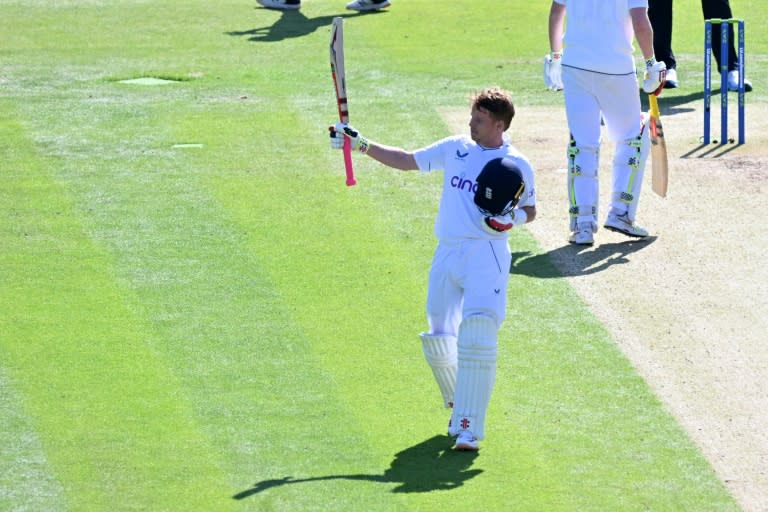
(659, 163)
(340, 83)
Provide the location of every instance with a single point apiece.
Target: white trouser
(467, 277)
(591, 98)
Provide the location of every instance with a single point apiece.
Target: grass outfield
(197, 314)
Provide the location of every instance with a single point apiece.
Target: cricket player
(488, 189)
(596, 72)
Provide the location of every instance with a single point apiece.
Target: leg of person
(583, 113)
(441, 354)
(280, 4)
(660, 14)
(628, 169)
(627, 128)
(722, 9)
(444, 305)
(486, 265)
(476, 376)
(368, 5)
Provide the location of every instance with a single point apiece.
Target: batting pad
(441, 355)
(476, 374)
(628, 169)
(583, 185)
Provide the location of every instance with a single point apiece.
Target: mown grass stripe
(104, 405)
(26, 482)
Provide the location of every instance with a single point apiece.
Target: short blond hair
(497, 102)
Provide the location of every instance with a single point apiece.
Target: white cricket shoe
(466, 441)
(733, 82)
(671, 79)
(368, 5)
(582, 235)
(280, 4)
(622, 224)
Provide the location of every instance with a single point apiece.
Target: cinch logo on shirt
(464, 184)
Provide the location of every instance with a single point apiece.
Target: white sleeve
(432, 157)
(529, 195)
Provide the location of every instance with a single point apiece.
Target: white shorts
(467, 277)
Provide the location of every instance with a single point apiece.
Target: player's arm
(553, 71)
(655, 72)
(397, 158)
(643, 31)
(530, 213)
(556, 26)
(390, 156)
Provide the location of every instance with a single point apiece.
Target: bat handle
(348, 163)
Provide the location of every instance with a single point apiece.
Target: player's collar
(504, 142)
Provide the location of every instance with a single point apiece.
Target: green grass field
(197, 314)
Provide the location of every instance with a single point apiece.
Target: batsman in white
(596, 72)
(488, 188)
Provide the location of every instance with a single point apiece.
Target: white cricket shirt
(461, 159)
(599, 35)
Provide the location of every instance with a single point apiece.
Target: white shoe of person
(368, 5)
(466, 441)
(622, 224)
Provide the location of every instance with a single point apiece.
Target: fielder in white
(596, 72)
(488, 188)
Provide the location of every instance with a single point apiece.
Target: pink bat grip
(348, 162)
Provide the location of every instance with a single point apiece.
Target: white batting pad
(628, 170)
(441, 354)
(476, 374)
(583, 185)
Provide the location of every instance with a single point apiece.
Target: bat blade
(340, 85)
(659, 160)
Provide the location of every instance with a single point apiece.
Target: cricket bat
(659, 163)
(340, 83)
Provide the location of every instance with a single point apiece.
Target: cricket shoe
(466, 442)
(622, 224)
(582, 235)
(671, 79)
(368, 5)
(733, 82)
(280, 4)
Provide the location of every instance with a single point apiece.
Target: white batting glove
(498, 224)
(553, 71)
(337, 138)
(341, 130)
(654, 76)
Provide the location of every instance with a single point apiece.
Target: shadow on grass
(293, 24)
(576, 260)
(431, 465)
(671, 104)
